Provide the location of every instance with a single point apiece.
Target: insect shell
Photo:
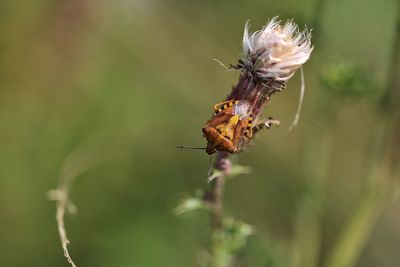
(229, 127)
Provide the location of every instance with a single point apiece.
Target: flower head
(271, 57)
(276, 51)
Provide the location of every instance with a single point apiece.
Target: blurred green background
(127, 80)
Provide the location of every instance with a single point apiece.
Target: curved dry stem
(61, 195)
(61, 204)
(95, 151)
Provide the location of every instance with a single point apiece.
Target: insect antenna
(301, 98)
(223, 65)
(190, 147)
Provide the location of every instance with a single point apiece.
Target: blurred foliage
(235, 171)
(192, 204)
(348, 79)
(228, 240)
(232, 235)
(72, 69)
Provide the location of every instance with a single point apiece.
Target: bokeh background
(122, 82)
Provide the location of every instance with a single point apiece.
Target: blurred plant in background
(348, 78)
(226, 239)
(343, 79)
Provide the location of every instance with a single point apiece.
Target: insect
(231, 127)
(231, 123)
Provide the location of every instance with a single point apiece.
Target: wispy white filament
(301, 98)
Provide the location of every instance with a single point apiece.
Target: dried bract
(276, 51)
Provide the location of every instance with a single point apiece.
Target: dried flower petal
(276, 51)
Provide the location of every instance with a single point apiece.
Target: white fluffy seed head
(276, 51)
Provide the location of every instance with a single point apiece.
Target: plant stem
(220, 255)
(217, 208)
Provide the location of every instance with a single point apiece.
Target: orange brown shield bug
(231, 122)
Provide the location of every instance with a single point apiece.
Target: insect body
(226, 130)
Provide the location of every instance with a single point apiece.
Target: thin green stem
(220, 256)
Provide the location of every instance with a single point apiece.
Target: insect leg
(266, 124)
